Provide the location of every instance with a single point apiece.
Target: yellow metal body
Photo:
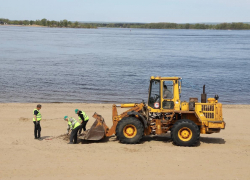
(116, 118)
(207, 116)
(210, 115)
(129, 131)
(176, 93)
(127, 105)
(211, 100)
(185, 134)
(184, 106)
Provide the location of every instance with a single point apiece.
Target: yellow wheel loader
(164, 112)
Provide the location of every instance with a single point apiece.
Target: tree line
(48, 23)
(75, 24)
(221, 26)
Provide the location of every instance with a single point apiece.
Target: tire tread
(125, 121)
(175, 129)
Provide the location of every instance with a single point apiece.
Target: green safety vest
(38, 116)
(86, 118)
(76, 124)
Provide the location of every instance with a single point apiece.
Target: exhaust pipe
(204, 95)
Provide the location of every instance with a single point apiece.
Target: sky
(145, 11)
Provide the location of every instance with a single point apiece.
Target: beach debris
(23, 119)
(62, 136)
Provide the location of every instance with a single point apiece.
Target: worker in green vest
(83, 119)
(36, 120)
(74, 126)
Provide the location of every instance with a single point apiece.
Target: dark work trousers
(73, 135)
(84, 123)
(37, 129)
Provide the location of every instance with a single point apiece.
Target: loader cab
(167, 95)
(164, 93)
(154, 94)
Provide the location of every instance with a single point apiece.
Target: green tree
(187, 26)
(65, 23)
(48, 23)
(44, 22)
(38, 22)
(69, 23)
(26, 22)
(76, 24)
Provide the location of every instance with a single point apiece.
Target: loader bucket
(98, 129)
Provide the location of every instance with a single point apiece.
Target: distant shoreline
(30, 26)
(12, 25)
(21, 25)
(162, 25)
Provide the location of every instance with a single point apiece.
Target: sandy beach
(225, 155)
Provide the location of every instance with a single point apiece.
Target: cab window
(168, 95)
(154, 95)
(168, 90)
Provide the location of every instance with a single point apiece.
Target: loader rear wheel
(185, 133)
(129, 130)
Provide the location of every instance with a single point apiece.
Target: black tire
(116, 135)
(125, 123)
(187, 126)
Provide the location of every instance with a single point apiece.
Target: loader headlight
(216, 97)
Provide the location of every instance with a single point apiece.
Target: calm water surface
(114, 65)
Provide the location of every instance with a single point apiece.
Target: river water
(114, 65)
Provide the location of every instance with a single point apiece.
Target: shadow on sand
(44, 137)
(212, 140)
(104, 140)
(163, 138)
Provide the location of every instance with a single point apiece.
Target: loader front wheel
(129, 130)
(185, 133)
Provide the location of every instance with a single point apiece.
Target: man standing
(36, 120)
(83, 118)
(74, 125)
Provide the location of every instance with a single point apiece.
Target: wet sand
(225, 155)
